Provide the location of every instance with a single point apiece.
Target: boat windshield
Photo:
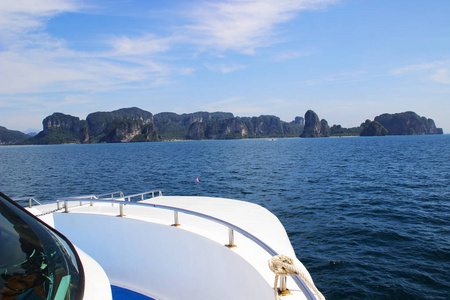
(35, 261)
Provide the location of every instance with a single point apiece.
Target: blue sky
(348, 60)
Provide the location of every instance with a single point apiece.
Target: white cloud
(28, 71)
(442, 76)
(33, 61)
(341, 77)
(437, 71)
(418, 67)
(290, 55)
(147, 44)
(224, 68)
(244, 25)
(22, 16)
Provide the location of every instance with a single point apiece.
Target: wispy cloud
(144, 45)
(419, 67)
(224, 68)
(290, 55)
(244, 25)
(438, 71)
(34, 61)
(28, 71)
(24, 16)
(340, 77)
(442, 76)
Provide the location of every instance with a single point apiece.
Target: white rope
(284, 265)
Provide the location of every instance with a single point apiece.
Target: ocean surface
(368, 216)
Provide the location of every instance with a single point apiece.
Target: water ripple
(369, 217)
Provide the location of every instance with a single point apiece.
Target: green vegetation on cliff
(136, 125)
(147, 134)
(407, 123)
(53, 136)
(338, 130)
(238, 128)
(315, 127)
(172, 126)
(11, 136)
(99, 123)
(373, 128)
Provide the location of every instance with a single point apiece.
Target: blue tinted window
(35, 263)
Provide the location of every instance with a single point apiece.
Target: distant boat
(161, 247)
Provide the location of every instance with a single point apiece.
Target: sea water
(368, 216)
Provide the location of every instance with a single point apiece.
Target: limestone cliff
(136, 125)
(172, 126)
(406, 123)
(221, 129)
(60, 120)
(128, 130)
(314, 127)
(236, 128)
(123, 125)
(373, 128)
(299, 121)
(60, 128)
(265, 126)
(99, 121)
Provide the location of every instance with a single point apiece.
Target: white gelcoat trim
(96, 282)
(163, 262)
(250, 217)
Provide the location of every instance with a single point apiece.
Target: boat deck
(165, 212)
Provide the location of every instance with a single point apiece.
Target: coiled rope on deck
(284, 265)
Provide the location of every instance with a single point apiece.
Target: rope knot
(283, 265)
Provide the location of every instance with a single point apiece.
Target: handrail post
(29, 203)
(121, 211)
(230, 238)
(57, 204)
(175, 216)
(66, 206)
(283, 288)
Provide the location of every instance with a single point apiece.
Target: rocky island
(406, 123)
(137, 125)
(314, 127)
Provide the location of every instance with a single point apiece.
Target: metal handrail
(128, 197)
(110, 194)
(300, 283)
(30, 200)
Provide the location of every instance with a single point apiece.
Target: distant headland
(137, 125)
